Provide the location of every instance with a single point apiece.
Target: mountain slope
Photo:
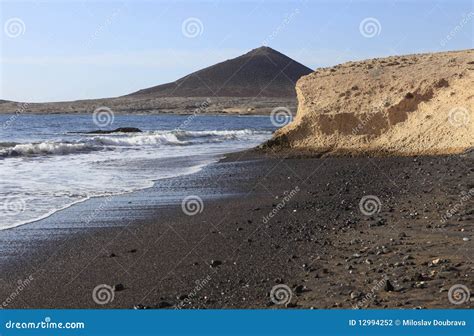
(262, 72)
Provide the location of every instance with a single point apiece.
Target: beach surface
(265, 220)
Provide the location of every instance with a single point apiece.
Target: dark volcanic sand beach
(318, 242)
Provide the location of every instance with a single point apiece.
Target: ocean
(50, 162)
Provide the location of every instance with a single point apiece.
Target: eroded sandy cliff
(414, 104)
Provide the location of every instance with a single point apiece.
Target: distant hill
(254, 83)
(262, 72)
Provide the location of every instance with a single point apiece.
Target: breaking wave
(91, 142)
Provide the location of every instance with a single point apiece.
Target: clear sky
(67, 50)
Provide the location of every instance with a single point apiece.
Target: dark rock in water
(117, 130)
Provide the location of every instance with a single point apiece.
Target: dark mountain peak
(262, 72)
(263, 50)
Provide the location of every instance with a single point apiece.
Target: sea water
(50, 162)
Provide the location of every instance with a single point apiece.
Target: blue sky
(67, 50)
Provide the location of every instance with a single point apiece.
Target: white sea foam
(100, 142)
(40, 178)
(46, 148)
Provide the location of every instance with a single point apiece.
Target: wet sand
(265, 221)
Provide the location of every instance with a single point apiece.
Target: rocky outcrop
(407, 105)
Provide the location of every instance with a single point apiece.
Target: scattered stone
(355, 295)
(119, 287)
(182, 297)
(300, 289)
(420, 284)
(164, 304)
(388, 286)
(215, 263)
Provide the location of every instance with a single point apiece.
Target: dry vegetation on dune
(414, 104)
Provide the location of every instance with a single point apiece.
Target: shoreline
(317, 243)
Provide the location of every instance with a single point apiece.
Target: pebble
(215, 263)
(163, 304)
(355, 295)
(388, 286)
(119, 287)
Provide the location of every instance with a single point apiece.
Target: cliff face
(407, 105)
